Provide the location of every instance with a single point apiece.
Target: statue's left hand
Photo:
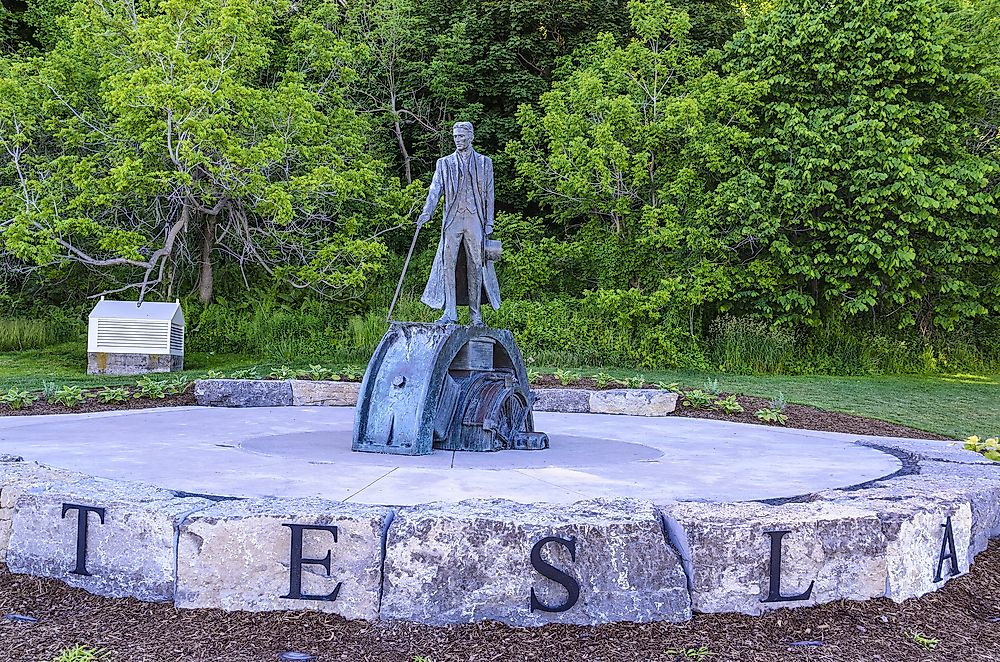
(489, 230)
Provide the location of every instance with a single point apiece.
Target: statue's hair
(464, 125)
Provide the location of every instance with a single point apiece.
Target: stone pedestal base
(105, 363)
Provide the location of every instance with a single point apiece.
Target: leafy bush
(698, 399)
(988, 448)
(320, 373)
(69, 396)
(148, 387)
(110, 394)
(18, 399)
(771, 415)
(728, 405)
(284, 372)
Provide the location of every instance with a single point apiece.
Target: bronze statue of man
(462, 277)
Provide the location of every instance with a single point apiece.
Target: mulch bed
(799, 416)
(964, 617)
(92, 405)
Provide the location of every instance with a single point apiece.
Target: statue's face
(463, 138)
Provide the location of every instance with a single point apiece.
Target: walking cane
(399, 285)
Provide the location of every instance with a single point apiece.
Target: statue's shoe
(445, 320)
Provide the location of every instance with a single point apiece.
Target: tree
(164, 134)
(632, 150)
(869, 198)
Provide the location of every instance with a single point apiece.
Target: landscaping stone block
(129, 554)
(472, 561)
(914, 527)
(243, 392)
(15, 478)
(633, 402)
(237, 555)
(564, 400)
(839, 550)
(330, 394)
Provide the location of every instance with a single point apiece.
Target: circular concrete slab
(306, 452)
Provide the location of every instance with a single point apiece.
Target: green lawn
(954, 405)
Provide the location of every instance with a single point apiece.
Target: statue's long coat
(445, 181)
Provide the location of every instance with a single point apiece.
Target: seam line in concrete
(562, 487)
(370, 484)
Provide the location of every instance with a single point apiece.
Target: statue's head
(463, 134)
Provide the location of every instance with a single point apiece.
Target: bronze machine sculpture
(444, 385)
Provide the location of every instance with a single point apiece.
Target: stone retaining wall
(590, 562)
(282, 393)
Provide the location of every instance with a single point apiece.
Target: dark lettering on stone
(948, 551)
(555, 574)
(297, 561)
(81, 533)
(774, 587)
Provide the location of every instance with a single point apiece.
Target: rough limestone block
(243, 393)
(15, 478)
(105, 363)
(839, 549)
(633, 402)
(130, 554)
(978, 484)
(563, 400)
(472, 561)
(329, 394)
(237, 556)
(913, 526)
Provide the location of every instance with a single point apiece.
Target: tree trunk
(398, 130)
(205, 279)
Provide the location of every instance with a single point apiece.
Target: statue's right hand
(423, 218)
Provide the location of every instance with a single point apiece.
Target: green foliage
(17, 399)
(603, 328)
(729, 405)
(603, 380)
(712, 386)
(137, 135)
(214, 374)
(149, 387)
(864, 196)
(18, 334)
(68, 396)
(566, 377)
(246, 373)
(778, 403)
(928, 643)
(637, 381)
(318, 373)
(771, 415)
(80, 653)
(988, 448)
(110, 394)
(177, 385)
(284, 372)
(698, 399)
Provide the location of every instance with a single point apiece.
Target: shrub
(17, 399)
(69, 396)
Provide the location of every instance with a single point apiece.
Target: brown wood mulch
(799, 416)
(961, 622)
